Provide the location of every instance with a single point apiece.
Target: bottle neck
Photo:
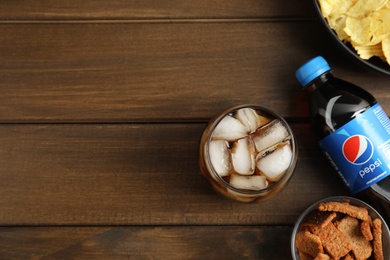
(317, 82)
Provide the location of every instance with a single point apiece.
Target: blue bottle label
(360, 150)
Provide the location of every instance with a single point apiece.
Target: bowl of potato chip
(340, 228)
(361, 28)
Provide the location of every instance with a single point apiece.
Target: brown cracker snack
(308, 243)
(348, 257)
(321, 256)
(344, 232)
(304, 256)
(333, 241)
(318, 218)
(365, 227)
(350, 227)
(346, 208)
(377, 242)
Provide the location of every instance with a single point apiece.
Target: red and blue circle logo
(358, 149)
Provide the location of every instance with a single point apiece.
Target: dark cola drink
(354, 131)
(248, 153)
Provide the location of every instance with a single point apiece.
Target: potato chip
(358, 29)
(326, 8)
(364, 7)
(365, 31)
(365, 24)
(335, 7)
(386, 48)
(341, 7)
(337, 22)
(366, 52)
(381, 22)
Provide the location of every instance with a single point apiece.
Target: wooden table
(102, 106)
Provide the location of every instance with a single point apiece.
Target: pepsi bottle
(353, 129)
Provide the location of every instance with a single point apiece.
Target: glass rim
(290, 169)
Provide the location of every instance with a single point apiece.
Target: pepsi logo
(358, 149)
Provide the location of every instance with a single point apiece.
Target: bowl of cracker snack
(361, 28)
(340, 228)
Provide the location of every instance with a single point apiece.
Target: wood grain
(169, 9)
(169, 242)
(102, 106)
(139, 72)
(83, 174)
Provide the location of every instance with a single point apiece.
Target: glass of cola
(248, 153)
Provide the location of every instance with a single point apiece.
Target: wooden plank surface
(102, 106)
(170, 242)
(138, 72)
(169, 9)
(144, 174)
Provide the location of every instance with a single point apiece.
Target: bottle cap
(311, 70)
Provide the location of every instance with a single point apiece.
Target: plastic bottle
(354, 131)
